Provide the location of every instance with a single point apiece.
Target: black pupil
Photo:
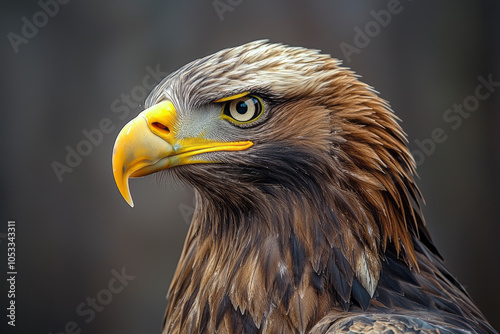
(241, 107)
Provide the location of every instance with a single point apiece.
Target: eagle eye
(243, 110)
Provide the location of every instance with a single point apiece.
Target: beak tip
(125, 192)
(123, 188)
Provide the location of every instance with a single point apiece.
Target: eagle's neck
(262, 267)
(254, 278)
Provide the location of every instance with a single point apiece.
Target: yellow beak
(147, 144)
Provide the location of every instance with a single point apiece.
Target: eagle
(308, 218)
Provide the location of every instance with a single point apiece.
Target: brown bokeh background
(71, 234)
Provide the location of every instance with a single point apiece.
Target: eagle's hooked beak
(148, 144)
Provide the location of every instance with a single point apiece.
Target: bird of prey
(307, 214)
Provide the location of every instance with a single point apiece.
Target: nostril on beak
(161, 127)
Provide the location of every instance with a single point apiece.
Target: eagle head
(302, 175)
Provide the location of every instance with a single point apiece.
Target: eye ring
(243, 110)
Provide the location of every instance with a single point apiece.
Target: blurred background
(74, 72)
